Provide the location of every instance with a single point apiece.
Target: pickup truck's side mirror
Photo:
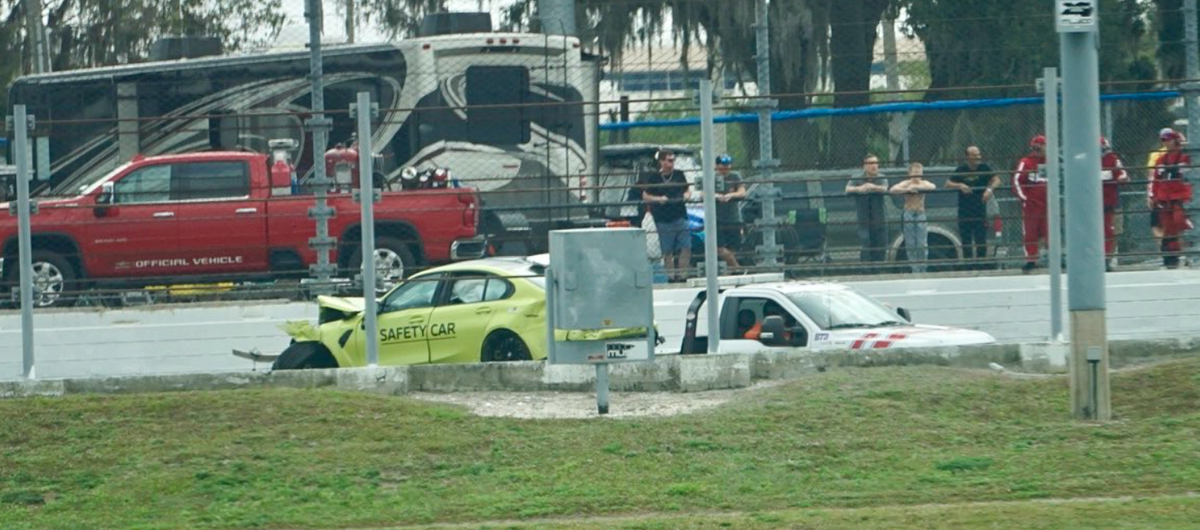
(105, 199)
(773, 332)
(904, 313)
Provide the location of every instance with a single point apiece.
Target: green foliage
(90, 33)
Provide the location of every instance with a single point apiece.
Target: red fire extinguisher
(341, 165)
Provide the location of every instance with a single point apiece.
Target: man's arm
(851, 188)
(993, 183)
(740, 191)
(1017, 181)
(926, 185)
(955, 182)
(900, 187)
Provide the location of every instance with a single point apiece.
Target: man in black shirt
(665, 193)
(868, 190)
(976, 181)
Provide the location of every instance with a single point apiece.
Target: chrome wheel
(49, 282)
(389, 269)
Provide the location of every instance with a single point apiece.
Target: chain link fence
(483, 144)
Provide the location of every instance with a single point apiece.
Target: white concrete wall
(199, 338)
(153, 340)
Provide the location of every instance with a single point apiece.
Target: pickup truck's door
(222, 229)
(136, 235)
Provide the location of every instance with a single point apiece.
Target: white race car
(816, 316)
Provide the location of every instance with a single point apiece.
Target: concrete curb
(676, 373)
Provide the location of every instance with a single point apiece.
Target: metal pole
(350, 21)
(40, 49)
(319, 125)
(366, 194)
(1054, 203)
(766, 152)
(1192, 101)
(24, 239)
(1085, 235)
(710, 213)
(602, 388)
(896, 134)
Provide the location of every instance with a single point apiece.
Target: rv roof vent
(451, 23)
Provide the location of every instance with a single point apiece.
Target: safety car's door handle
(161, 215)
(483, 311)
(246, 210)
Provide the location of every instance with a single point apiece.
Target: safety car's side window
(476, 287)
(415, 293)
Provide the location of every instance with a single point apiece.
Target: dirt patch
(577, 405)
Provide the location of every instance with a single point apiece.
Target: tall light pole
(1078, 25)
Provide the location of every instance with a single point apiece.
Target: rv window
(210, 180)
(507, 87)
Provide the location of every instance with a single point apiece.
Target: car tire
(504, 346)
(308, 355)
(54, 274)
(394, 262)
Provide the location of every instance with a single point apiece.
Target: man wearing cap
(1170, 193)
(1030, 188)
(666, 193)
(1114, 176)
(1165, 136)
(729, 194)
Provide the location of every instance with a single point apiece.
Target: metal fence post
(766, 154)
(1054, 200)
(366, 195)
(1191, 92)
(319, 126)
(21, 124)
(710, 212)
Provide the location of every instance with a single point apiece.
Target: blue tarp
(882, 108)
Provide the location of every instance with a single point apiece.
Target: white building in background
(647, 72)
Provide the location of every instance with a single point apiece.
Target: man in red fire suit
(1114, 176)
(1170, 192)
(1030, 188)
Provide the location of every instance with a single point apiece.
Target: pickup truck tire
(53, 275)
(393, 262)
(304, 356)
(504, 346)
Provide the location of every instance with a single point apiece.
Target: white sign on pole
(1075, 16)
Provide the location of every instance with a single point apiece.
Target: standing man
(1114, 176)
(976, 181)
(729, 194)
(868, 190)
(1030, 188)
(1171, 193)
(665, 193)
(1165, 138)
(916, 225)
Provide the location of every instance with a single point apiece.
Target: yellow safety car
(484, 310)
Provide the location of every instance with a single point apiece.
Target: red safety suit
(1030, 189)
(1113, 174)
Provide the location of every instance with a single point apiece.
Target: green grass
(876, 448)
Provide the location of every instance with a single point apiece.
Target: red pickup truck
(220, 215)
